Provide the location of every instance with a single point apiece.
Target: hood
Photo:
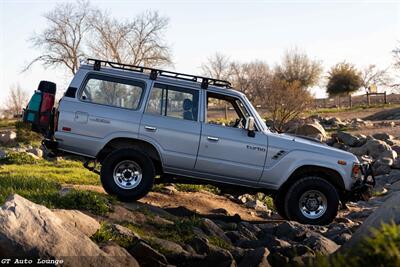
(298, 143)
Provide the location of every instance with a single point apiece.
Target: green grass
(106, 233)
(40, 181)
(63, 172)
(219, 242)
(180, 232)
(347, 109)
(197, 188)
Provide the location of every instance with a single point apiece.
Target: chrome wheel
(313, 204)
(127, 174)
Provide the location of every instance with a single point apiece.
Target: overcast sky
(359, 32)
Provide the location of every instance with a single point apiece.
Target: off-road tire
(292, 200)
(107, 174)
(279, 204)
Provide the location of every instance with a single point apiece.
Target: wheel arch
(328, 174)
(140, 145)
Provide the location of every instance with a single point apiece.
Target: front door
(171, 123)
(226, 151)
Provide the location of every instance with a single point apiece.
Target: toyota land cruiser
(146, 126)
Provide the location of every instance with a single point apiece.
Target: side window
(225, 111)
(113, 92)
(173, 102)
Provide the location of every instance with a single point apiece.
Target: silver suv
(147, 126)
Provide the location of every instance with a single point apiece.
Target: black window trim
(235, 98)
(99, 76)
(177, 88)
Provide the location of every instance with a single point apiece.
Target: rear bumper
(362, 188)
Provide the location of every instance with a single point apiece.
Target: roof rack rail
(154, 73)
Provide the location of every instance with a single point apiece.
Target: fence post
(368, 101)
(384, 97)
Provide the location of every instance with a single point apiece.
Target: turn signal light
(356, 170)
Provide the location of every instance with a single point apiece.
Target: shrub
(197, 188)
(380, 250)
(18, 158)
(93, 202)
(25, 134)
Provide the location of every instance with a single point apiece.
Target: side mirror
(250, 126)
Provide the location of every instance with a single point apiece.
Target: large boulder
(383, 136)
(255, 258)
(78, 220)
(147, 256)
(210, 228)
(7, 137)
(29, 230)
(386, 213)
(320, 244)
(379, 149)
(347, 139)
(36, 151)
(314, 130)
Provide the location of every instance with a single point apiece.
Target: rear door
(226, 151)
(171, 121)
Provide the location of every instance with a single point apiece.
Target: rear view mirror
(250, 126)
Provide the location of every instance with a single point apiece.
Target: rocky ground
(174, 225)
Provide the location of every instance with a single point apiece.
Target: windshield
(254, 111)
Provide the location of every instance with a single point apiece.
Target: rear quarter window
(112, 91)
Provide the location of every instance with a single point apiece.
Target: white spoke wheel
(128, 174)
(313, 204)
(312, 200)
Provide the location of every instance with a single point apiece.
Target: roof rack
(154, 73)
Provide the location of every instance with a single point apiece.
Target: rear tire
(312, 200)
(128, 174)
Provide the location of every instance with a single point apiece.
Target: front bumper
(362, 188)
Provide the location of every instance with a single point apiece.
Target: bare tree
(251, 79)
(372, 75)
(61, 42)
(136, 42)
(16, 100)
(396, 57)
(217, 66)
(296, 66)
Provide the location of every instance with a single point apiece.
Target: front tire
(128, 174)
(279, 203)
(312, 200)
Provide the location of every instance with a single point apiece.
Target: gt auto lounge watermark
(29, 261)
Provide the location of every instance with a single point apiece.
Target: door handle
(211, 138)
(150, 128)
